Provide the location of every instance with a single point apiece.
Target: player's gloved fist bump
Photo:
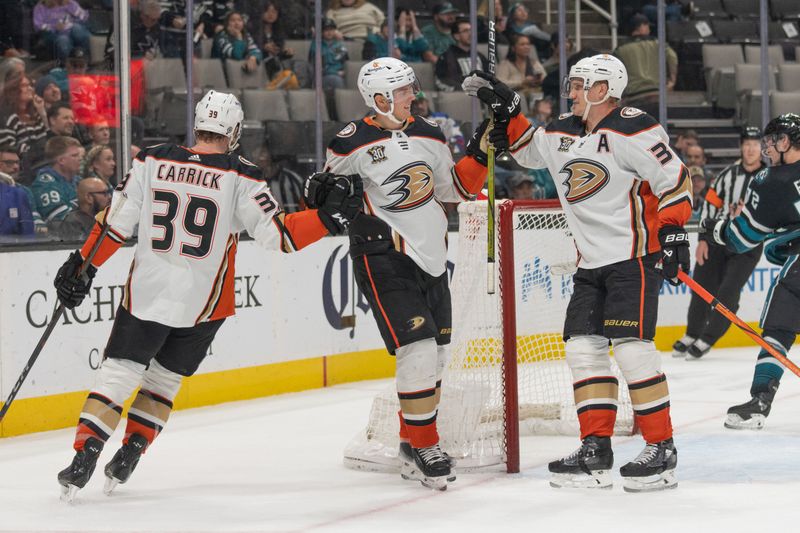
(342, 203)
(504, 103)
(70, 288)
(317, 187)
(674, 252)
(713, 230)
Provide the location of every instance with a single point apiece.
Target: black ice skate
(653, 469)
(588, 467)
(124, 462)
(753, 414)
(406, 455)
(697, 350)
(430, 466)
(681, 346)
(76, 475)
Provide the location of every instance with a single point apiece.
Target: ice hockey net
(507, 375)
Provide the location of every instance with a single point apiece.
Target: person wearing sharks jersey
(189, 204)
(626, 196)
(399, 245)
(770, 214)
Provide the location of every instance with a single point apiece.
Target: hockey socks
(596, 403)
(650, 399)
(98, 419)
(419, 417)
(147, 415)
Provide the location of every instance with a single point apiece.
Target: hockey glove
(504, 103)
(342, 203)
(674, 252)
(317, 187)
(713, 230)
(70, 288)
(479, 142)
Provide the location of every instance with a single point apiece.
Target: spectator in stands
(12, 33)
(93, 195)
(285, 184)
(54, 189)
(47, 88)
(60, 24)
(296, 17)
(271, 39)
(234, 42)
(10, 165)
(684, 140)
(10, 69)
(552, 63)
(99, 163)
(501, 22)
(518, 22)
(334, 56)
(145, 30)
(640, 57)
(699, 188)
(60, 121)
(452, 132)
(518, 70)
(77, 65)
(22, 114)
(100, 134)
(454, 65)
(16, 217)
(410, 45)
(523, 187)
(542, 112)
(438, 33)
(696, 157)
(355, 19)
(672, 10)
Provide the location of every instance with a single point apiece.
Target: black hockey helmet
(787, 124)
(750, 132)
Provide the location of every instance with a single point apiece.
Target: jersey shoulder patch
(246, 168)
(362, 134)
(627, 121)
(423, 127)
(566, 123)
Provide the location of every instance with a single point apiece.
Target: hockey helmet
(787, 124)
(382, 76)
(220, 113)
(602, 67)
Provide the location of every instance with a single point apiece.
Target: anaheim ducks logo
(585, 178)
(414, 187)
(415, 323)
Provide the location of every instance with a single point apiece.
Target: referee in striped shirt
(722, 272)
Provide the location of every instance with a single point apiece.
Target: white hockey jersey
(190, 208)
(406, 174)
(618, 184)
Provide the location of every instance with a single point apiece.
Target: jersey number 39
(199, 222)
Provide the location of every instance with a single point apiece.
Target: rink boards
(287, 334)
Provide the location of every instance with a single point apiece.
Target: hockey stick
(741, 324)
(60, 309)
(490, 207)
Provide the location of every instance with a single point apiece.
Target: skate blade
(663, 481)
(410, 472)
(110, 485)
(755, 422)
(599, 479)
(678, 354)
(68, 493)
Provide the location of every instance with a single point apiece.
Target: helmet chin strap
(589, 105)
(389, 114)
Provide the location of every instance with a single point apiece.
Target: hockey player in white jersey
(190, 204)
(626, 196)
(399, 246)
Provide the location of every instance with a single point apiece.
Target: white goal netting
(472, 422)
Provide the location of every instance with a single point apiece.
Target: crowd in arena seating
(64, 161)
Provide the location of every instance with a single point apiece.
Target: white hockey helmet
(382, 76)
(220, 113)
(602, 67)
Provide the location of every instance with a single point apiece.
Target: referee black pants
(723, 274)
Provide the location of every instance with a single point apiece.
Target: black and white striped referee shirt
(727, 188)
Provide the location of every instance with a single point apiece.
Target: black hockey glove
(317, 187)
(713, 230)
(504, 103)
(479, 142)
(674, 252)
(342, 203)
(70, 288)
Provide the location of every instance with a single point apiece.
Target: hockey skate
(406, 455)
(681, 346)
(588, 467)
(653, 469)
(76, 475)
(697, 350)
(121, 467)
(753, 414)
(430, 466)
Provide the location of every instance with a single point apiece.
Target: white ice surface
(275, 464)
